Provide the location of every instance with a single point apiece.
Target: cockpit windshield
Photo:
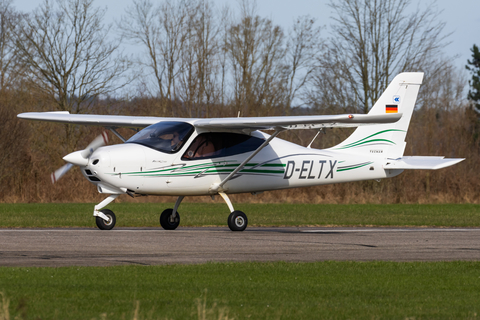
(166, 136)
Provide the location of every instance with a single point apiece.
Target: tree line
(195, 59)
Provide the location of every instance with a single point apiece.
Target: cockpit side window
(166, 136)
(220, 144)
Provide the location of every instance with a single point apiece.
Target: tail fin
(387, 139)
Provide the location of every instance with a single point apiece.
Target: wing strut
(218, 188)
(115, 132)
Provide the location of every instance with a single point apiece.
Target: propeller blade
(99, 141)
(80, 158)
(60, 172)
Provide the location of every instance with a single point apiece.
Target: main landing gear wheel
(106, 225)
(237, 221)
(167, 222)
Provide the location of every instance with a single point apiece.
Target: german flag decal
(391, 108)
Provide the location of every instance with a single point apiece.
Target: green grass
(323, 290)
(221, 291)
(215, 214)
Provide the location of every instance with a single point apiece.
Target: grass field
(221, 291)
(215, 214)
(323, 290)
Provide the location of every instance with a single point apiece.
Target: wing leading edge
(251, 123)
(296, 122)
(95, 119)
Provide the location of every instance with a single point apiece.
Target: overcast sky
(462, 17)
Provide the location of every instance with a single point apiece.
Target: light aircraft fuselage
(140, 169)
(193, 157)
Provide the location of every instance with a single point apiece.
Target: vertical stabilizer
(387, 139)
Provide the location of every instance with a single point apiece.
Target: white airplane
(195, 157)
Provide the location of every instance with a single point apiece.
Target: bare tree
(303, 50)
(10, 66)
(142, 25)
(199, 58)
(69, 55)
(15, 155)
(256, 52)
(200, 74)
(444, 88)
(163, 31)
(329, 92)
(373, 40)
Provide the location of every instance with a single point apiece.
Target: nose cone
(76, 158)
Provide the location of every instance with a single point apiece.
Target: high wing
(297, 122)
(95, 119)
(250, 123)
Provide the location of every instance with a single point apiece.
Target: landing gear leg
(170, 218)
(237, 220)
(105, 219)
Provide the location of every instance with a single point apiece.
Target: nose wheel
(106, 224)
(237, 221)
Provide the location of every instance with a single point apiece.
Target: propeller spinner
(80, 158)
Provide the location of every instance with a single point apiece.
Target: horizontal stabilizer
(427, 163)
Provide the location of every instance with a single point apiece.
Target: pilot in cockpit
(172, 139)
(175, 141)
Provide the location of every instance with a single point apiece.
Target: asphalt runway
(155, 246)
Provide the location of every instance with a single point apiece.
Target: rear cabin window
(220, 144)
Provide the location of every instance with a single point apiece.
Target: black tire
(165, 221)
(237, 221)
(106, 225)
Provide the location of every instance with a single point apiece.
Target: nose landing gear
(105, 218)
(106, 224)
